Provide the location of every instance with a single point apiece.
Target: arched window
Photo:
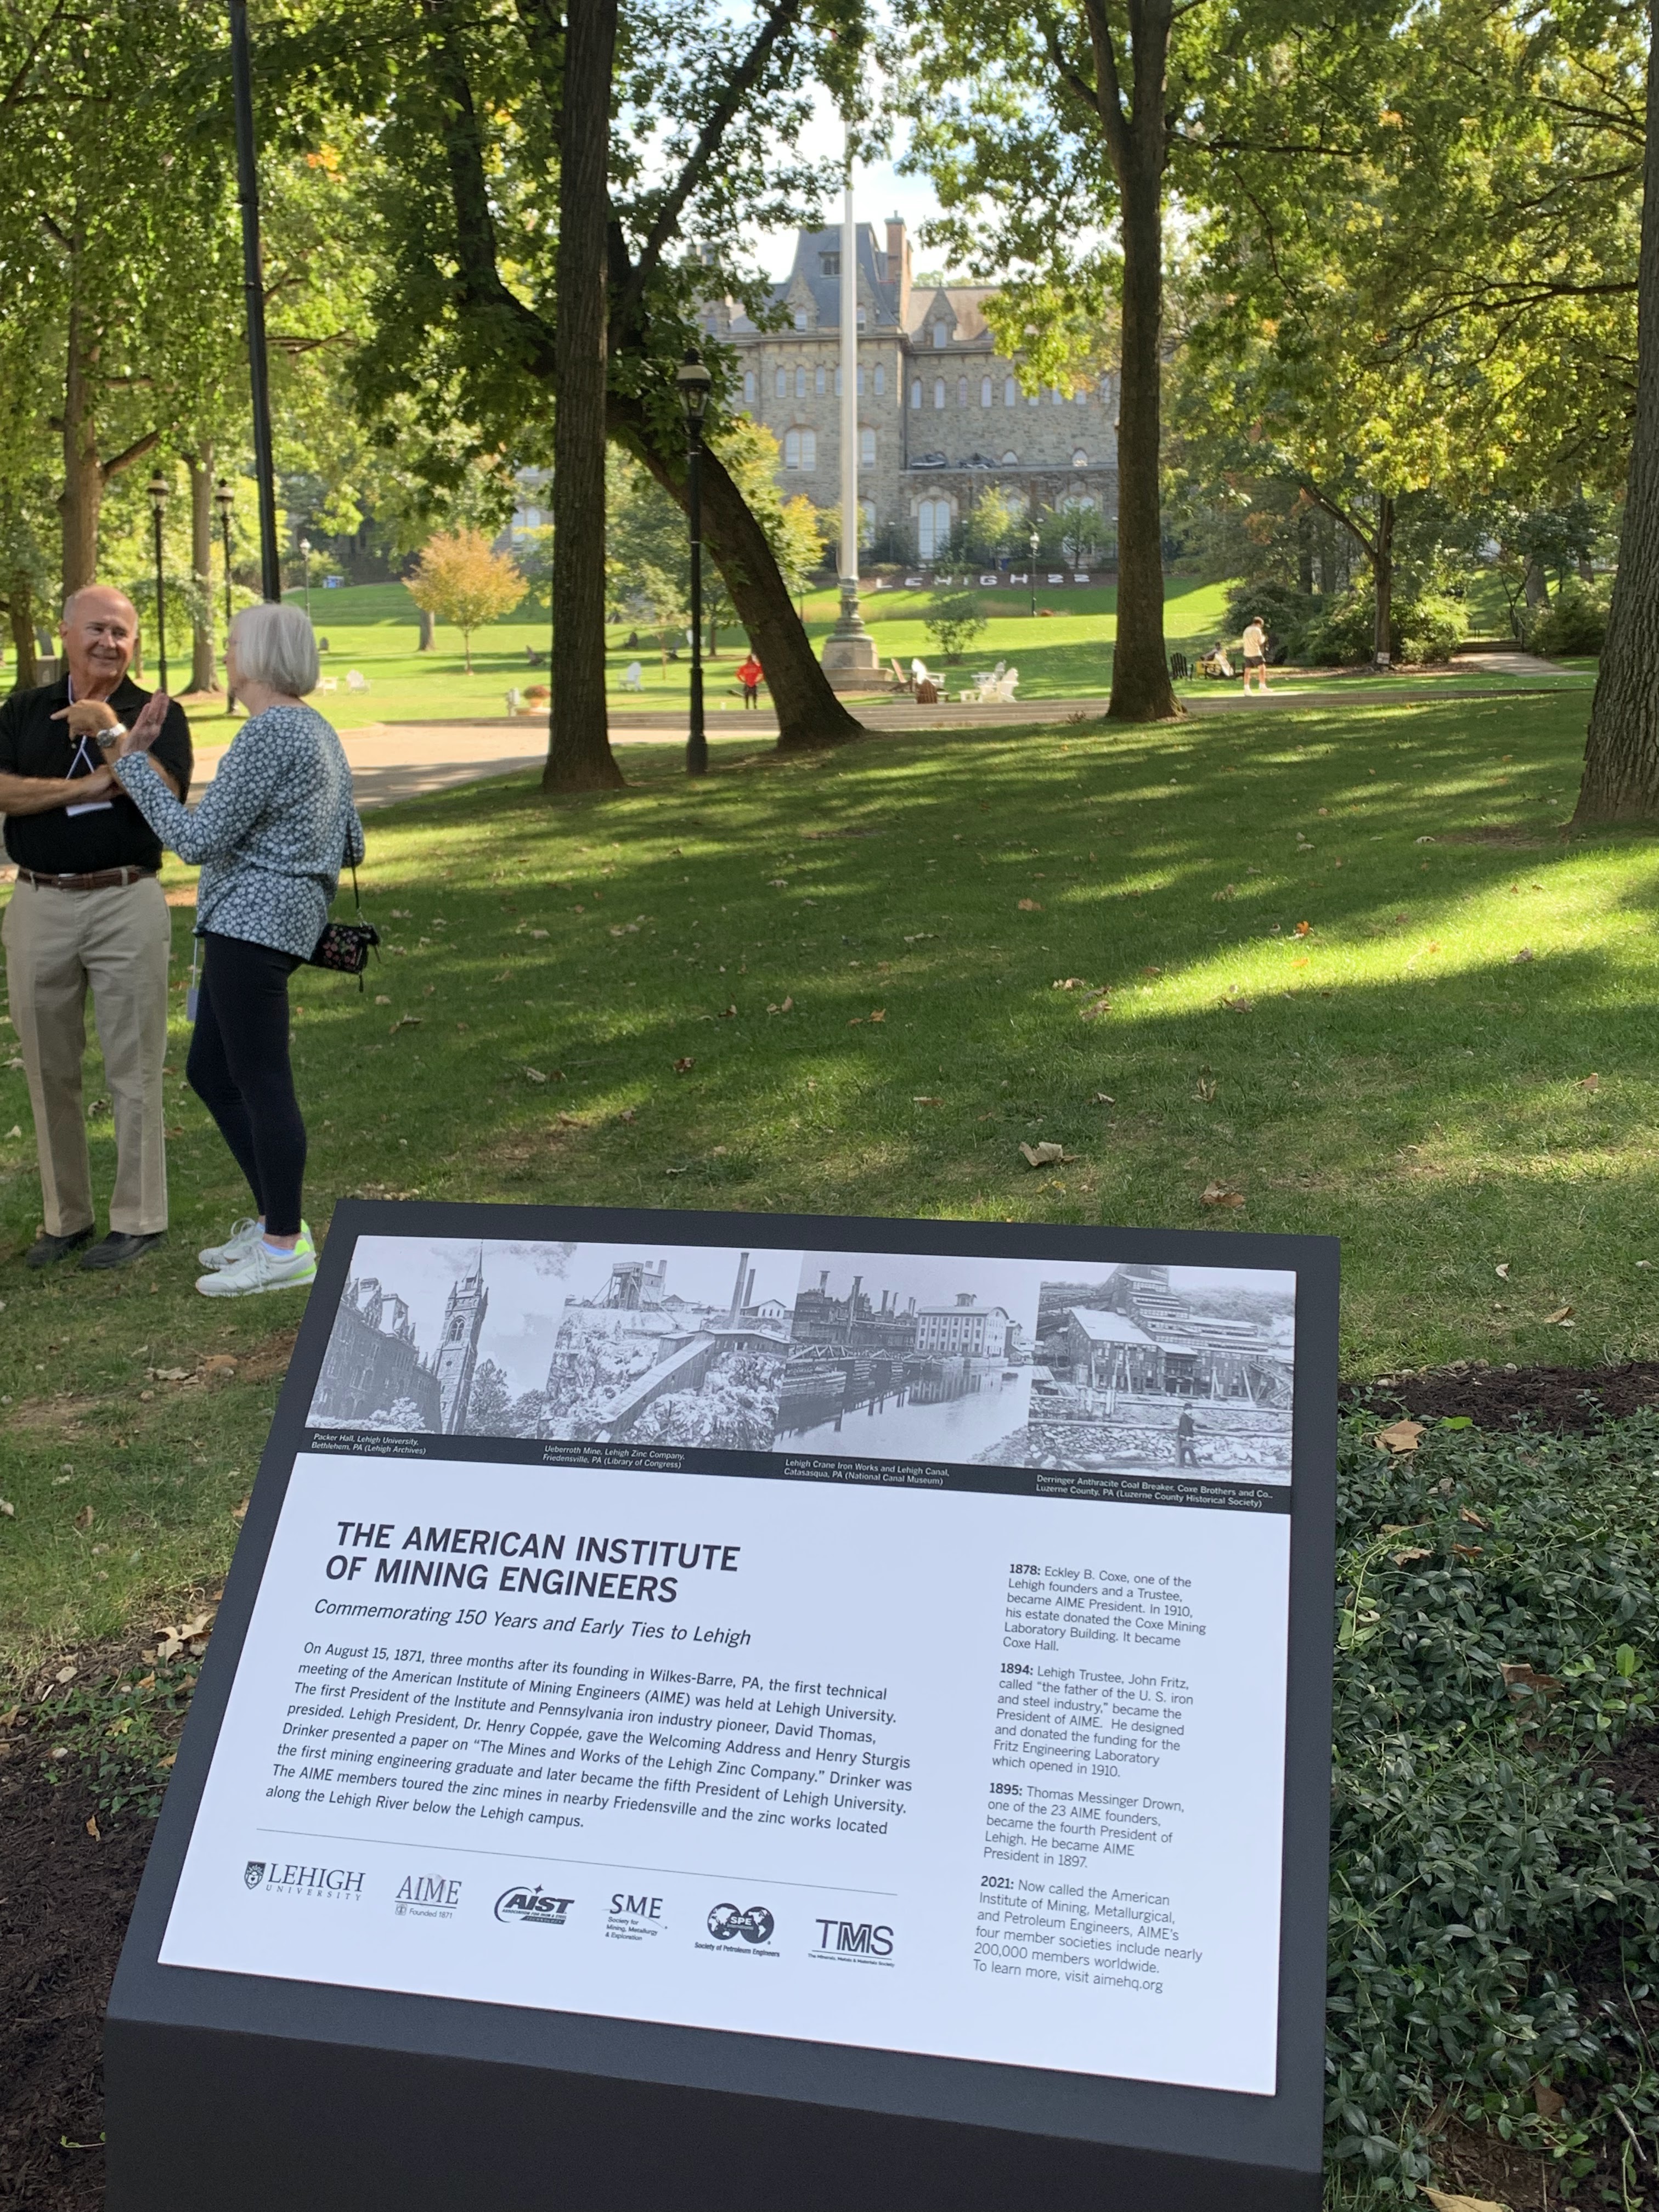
(881, 378)
(985, 392)
(1011, 460)
(916, 392)
(749, 387)
(933, 528)
(1081, 395)
(801, 318)
(1034, 399)
(961, 392)
(860, 384)
(1056, 395)
(941, 336)
(800, 384)
(938, 391)
(780, 384)
(1010, 391)
(867, 449)
(800, 449)
(818, 382)
(867, 525)
(861, 318)
(1079, 459)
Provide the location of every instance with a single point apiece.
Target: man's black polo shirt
(60, 843)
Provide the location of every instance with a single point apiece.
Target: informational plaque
(871, 1674)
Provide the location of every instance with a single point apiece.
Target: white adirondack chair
(355, 680)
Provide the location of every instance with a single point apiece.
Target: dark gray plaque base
(270, 2123)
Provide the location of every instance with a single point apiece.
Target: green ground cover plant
(1339, 967)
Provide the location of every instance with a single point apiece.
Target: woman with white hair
(271, 833)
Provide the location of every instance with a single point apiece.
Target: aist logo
(532, 1905)
(859, 1942)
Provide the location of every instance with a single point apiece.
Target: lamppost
(693, 379)
(1036, 540)
(224, 499)
(305, 557)
(158, 488)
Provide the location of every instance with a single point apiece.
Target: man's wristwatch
(108, 739)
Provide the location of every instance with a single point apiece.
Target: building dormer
(803, 307)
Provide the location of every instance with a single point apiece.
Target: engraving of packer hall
(941, 414)
(373, 1374)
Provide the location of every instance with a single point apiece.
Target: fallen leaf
(857, 1022)
(1409, 1558)
(788, 1007)
(218, 1363)
(1303, 928)
(1045, 1155)
(239, 1512)
(1590, 1083)
(684, 1067)
(1466, 1550)
(1104, 1098)
(83, 1519)
(1220, 1194)
(168, 1374)
(628, 1113)
(925, 1098)
(7, 1509)
(1101, 1004)
(1234, 1005)
(1467, 1513)
(879, 1014)
(1031, 906)
(1525, 953)
(535, 1075)
(1522, 1680)
(1561, 1314)
(1399, 1437)
(539, 932)
(780, 883)
(1425, 841)
(1503, 1270)
(728, 1014)
(66, 1674)
(93, 1829)
(168, 1761)
(405, 1022)
(1442, 2201)
(1068, 983)
(1205, 1089)
(1550, 2103)
(381, 998)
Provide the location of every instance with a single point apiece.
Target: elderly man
(87, 909)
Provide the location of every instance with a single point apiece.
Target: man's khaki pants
(117, 940)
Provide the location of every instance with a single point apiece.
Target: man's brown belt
(102, 879)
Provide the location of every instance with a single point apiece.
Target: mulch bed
(65, 1897)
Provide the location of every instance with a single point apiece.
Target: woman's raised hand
(148, 727)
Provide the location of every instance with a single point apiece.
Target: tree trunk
(1621, 752)
(1304, 557)
(1381, 555)
(203, 677)
(1535, 585)
(579, 755)
(1141, 689)
(21, 606)
(429, 631)
(809, 713)
(82, 495)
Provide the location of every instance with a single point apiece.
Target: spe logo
(633, 1919)
(855, 1943)
(532, 1905)
(428, 1896)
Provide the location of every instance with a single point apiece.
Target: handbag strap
(356, 901)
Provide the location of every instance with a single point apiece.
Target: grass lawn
(1339, 963)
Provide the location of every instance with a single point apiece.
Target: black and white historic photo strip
(1120, 1368)
(1164, 1370)
(576, 1343)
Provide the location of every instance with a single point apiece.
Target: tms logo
(291, 1880)
(755, 1924)
(534, 1906)
(862, 1941)
(432, 1896)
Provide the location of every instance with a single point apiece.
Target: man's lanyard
(80, 754)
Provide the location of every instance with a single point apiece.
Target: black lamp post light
(1036, 540)
(225, 499)
(158, 488)
(693, 380)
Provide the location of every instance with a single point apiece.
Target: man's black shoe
(118, 1247)
(45, 1250)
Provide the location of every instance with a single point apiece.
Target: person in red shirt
(750, 677)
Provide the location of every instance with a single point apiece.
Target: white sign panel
(877, 1650)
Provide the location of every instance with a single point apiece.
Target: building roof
(956, 1312)
(1109, 1327)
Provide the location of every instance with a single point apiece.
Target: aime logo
(290, 1880)
(858, 1942)
(429, 1896)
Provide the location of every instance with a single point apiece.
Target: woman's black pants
(239, 1068)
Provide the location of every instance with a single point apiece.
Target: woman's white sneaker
(245, 1237)
(261, 1269)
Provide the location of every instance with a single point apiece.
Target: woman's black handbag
(344, 946)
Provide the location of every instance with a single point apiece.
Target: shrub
(953, 620)
(1286, 611)
(1576, 624)
(1431, 626)
(1423, 626)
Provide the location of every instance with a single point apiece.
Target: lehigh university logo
(254, 1872)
